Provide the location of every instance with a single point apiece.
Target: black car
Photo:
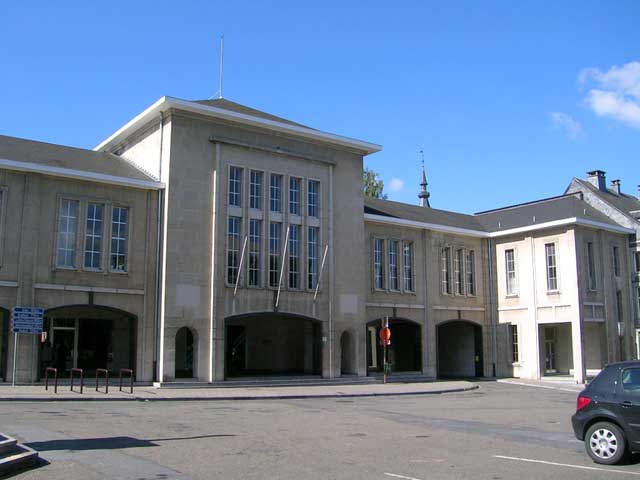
(607, 416)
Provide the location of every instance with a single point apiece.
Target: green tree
(372, 184)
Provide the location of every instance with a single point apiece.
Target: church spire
(424, 194)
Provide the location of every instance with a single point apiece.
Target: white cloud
(617, 94)
(567, 124)
(396, 185)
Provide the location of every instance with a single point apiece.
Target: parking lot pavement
(500, 431)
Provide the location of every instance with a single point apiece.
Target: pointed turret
(424, 194)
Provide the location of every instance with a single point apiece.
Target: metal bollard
(46, 378)
(130, 372)
(81, 372)
(106, 378)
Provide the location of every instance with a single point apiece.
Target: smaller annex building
(205, 241)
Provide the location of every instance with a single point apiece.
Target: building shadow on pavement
(108, 443)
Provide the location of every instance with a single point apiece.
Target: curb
(237, 397)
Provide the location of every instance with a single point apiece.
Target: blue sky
(508, 100)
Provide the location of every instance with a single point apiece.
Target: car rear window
(605, 381)
(631, 379)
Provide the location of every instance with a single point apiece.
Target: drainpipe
(157, 296)
(492, 304)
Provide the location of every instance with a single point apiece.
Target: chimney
(615, 186)
(598, 179)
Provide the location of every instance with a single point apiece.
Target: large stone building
(205, 240)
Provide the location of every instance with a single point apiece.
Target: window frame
(592, 280)
(280, 176)
(470, 283)
(383, 282)
(299, 202)
(78, 238)
(294, 227)
(511, 292)
(260, 197)
(4, 192)
(317, 197)
(270, 254)
(555, 266)
(309, 258)
(251, 252)
(227, 250)
(446, 286)
(390, 286)
(615, 252)
(128, 242)
(240, 182)
(459, 273)
(514, 342)
(411, 278)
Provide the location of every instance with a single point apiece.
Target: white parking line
(522, 384)
(401, 476)
(581, 467)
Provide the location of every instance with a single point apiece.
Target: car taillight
(582, 402)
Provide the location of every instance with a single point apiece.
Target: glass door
(550, 350)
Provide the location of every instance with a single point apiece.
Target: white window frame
(277, 254)
(446, 284)
(554, 266)
(317, 197)
(260, 197)
(511, 290)
(251, 252)
(382, 255)
(458, 272)
(470, 272)
(313, 276)
(391, 287)
(229, 248)
(293, 253)
(281, 177)
(408, 275)
(239, 182)
(298, 200)
(76, 239)
(127, 241)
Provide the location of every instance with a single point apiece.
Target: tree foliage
(372, 184)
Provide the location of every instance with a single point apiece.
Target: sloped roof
(238, 108)
(541, 211)
(416, 213)
(22, 154)
(623, 202)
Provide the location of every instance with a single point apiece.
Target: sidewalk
(38, 393)
(565, 384)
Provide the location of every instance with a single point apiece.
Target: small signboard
(27, 320)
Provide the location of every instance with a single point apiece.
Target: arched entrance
(185, 353)
(88, 337)
(5, 317)
(405, 351)
(346, 354)
(459, 345)
(265, 344)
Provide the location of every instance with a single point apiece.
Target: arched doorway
(405, 351)
(185, 353)
(346, 354)
(459, 344)
(270, 343)
(5, 316)
(88, 337)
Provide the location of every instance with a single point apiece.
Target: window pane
(119, 238)
(275, 194)
(255, 246)
(294, 196)
(458, 263)
(235, 186)
(275, 232)
(255, 190)
(93, 236)
(407, 262)
(445, 270)
(510, 267)
(378, 264)
(552, 272)
(67, 231)
(393, 265)
(515, 353)
(471, 273)
(294, 256)
(233, 249)
(312, 201)
(312, 256)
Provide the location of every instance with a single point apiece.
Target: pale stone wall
(30, 214)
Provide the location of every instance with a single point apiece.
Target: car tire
(605, 443)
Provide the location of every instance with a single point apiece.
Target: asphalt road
(500, 431)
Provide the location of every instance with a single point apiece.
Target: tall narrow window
(619, 308)
(552, 269)
(119, 238)
(458, 263)
(591, 267)
(233, 249)
(255, 244)
(275, 193)
(294, 196)
(235, 186)
(515, 351)
(510, 271)
(275, 234)
(67, 231)
(312, 258)
(255, 190)
(470, 272)
(393, 265)
(378, 263)
(312, 200)
(407, 265)
(445, 270)
(616, 261)
(294, 256)
(637, 262)
(93, 236)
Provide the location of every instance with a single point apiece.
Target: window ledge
(553, 292)
(512, 295)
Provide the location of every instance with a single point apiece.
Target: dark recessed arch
(405, 351)
(459, 349)
(272, 343)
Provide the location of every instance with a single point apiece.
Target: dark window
(631, 379)
(605, 381)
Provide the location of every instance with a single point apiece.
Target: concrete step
(14, 456)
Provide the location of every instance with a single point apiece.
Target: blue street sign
(27, 320)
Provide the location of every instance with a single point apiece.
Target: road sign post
(25, 320)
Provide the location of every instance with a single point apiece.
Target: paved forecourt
(498, 431)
